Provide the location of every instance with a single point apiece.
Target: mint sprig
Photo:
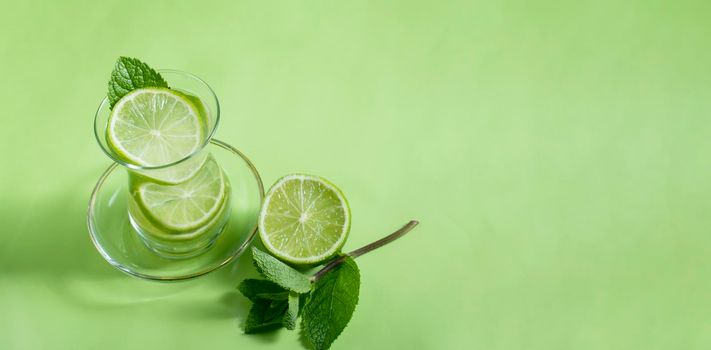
(325, 301)
(330, 305)
(292, 312)
(265, 315)
(255, 290)
(130, 74)
(280, 273)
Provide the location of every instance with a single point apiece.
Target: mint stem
(365, 249)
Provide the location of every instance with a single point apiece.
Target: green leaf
(280, 273)
(254, 289)
(292, 312)
(265, 315)
(302, 302)
(330, 305)
(130, 74)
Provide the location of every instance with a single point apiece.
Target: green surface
(557, 154)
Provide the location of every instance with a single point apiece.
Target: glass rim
(211, 133)
(92, 230)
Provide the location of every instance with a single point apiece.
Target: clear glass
(121, 245)
(182, 81)
(183, 242)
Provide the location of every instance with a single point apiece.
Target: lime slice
(149, 228)
(155, 126)
(185, 206)
(304, 220)
(175, 174)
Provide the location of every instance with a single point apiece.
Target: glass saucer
(120, 245)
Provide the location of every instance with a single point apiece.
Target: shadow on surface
(229, 303)
(46, 239)
(47, 235)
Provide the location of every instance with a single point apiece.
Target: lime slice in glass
(304, 220)
(206, 116)
(155, 126)
(149, 228)
(175, 174)
(185, 206)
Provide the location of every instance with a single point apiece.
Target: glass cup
(167, 241)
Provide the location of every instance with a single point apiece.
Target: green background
(556, 153)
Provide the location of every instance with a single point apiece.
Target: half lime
(305, 219)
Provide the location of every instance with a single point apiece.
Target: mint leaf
(280, 273)
(292, 312)
(254, 289)
(130, 74)
(276, 300)
(265, 315)
(330, 305)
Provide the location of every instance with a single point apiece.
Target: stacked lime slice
(188, 193)
(187, 206)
